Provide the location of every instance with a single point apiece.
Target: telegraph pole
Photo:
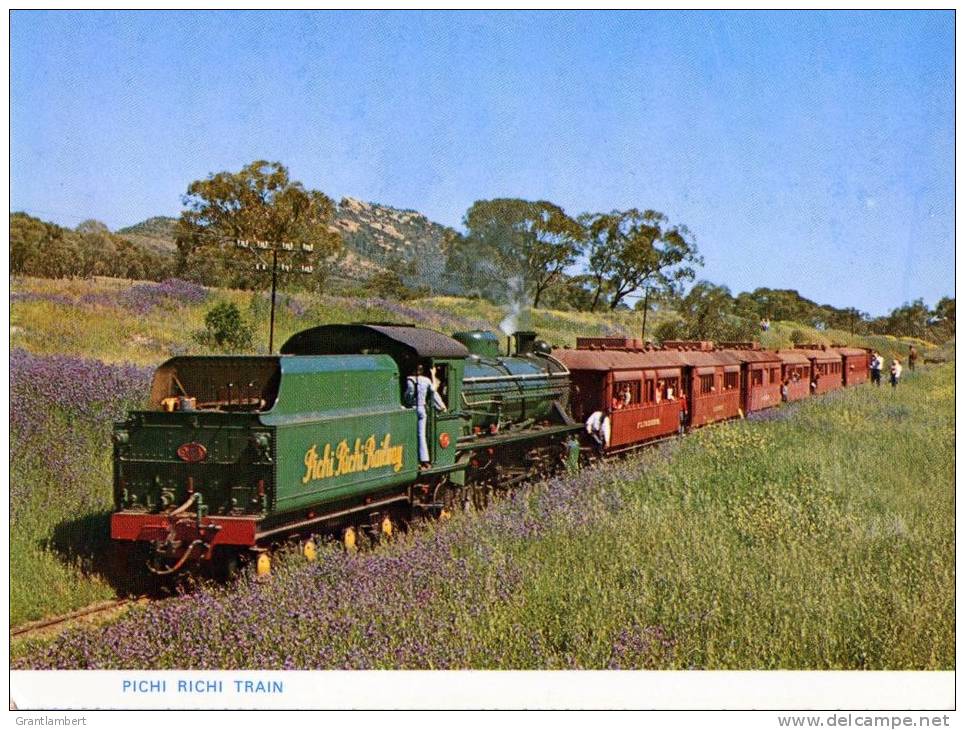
(646, 306)
(274, 288)
(260, 265)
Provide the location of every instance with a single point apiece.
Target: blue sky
(805, 150)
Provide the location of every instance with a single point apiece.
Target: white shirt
(599, 425)
(418, 389)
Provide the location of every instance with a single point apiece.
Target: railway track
(88, 613)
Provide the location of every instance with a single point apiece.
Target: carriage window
(730, 381)
(757, 377)
(706, 384)
(775, 375)
(626, 394)
(671, 391)
(649, 391)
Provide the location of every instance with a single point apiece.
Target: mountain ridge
(377, 238)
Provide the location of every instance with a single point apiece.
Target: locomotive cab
(441, 357)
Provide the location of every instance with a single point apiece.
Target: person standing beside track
(895, 373)
(876, 364)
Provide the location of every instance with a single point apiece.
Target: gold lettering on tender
(311, 457)
(360, 457)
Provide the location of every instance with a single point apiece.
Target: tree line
(511, 250)
(709, 311)
(38, 248)
(527, 247)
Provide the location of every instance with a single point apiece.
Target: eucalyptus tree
(512, 240)
(633, 250)
(259, 206)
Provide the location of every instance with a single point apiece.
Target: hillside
(156, 234)
(376, 237)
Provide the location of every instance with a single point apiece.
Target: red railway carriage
(712, 383)
(854, 363)
(760, 375)
(642, 387)
(825, 367)
(796, 369)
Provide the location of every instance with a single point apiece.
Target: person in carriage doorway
(418, 388)
(598, 427)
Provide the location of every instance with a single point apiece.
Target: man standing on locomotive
(417, 390)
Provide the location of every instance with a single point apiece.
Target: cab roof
(370, 338)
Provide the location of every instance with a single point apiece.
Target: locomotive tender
(235, 453)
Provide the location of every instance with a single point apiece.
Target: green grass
(60, 543)
(819, 542)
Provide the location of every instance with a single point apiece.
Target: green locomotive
(236, 453)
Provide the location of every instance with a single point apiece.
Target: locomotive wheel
(449, 497)
(350, 539)
(380, 529)
(127, 567)
(481, 496)
(263, 566)
(386, 527)
(225, 564)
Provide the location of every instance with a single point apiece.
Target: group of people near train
(877, 364)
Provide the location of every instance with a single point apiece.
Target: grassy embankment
(60, 505)
(88, 319)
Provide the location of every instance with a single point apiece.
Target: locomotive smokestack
(524, 341)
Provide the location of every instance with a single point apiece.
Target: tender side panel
(342, 431)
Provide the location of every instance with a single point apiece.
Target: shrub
(798, 336)
(669, 330)
(226, 328)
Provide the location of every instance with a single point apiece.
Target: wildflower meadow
(819, 535)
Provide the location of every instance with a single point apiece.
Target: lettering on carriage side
(344, 459)
(646, 424)
(719, 408)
